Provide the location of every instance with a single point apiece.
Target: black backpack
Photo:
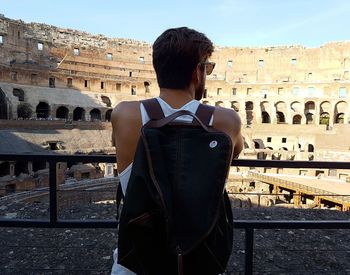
(176, 216)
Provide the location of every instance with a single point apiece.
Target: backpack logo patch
(213, 144)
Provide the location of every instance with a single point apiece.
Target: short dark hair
(176, 53)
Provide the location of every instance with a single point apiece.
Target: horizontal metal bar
(292, 224)
(59, 224)
(236, 162)
(238, 224)
(291, 164)
(55, 157)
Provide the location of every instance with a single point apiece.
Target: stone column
(257, 113)
(331, 114)
(12, 168)
(30, 167)
(317, 201)
(242, 112)
(273, 114)
(297, 198)
(289, 118)
(317, 113)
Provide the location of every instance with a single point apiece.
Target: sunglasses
(209, 66)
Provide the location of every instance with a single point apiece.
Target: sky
(248, 23)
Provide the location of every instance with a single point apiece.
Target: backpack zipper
(180, 268)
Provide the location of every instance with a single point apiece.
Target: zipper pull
(180, 270)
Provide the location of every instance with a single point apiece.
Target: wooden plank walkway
(327, 189)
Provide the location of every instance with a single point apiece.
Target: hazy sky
(227, 22)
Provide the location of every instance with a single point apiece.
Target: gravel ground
(89, 251)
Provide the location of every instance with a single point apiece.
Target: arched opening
(108, 115)
(310, 105)
(146, 84)
(309, 118)
(79, 114)
(24, 111)
(21, 167)
(62, 112)
(235, 106)
(325, 107)
(39, 165)
(265, 117)
(19, 93)
(276, 156)
(95, 114)
(280, 117)
(259, 144)
(3, 106)
(297, 119)
(296, 106)
(219, 103)
(106, 100)
(310, 148)
(324, 118)
(339, 119)
(205, 102)
(42, 110)
(249, 106)
(4, 168)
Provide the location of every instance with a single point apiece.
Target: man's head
(177, 53)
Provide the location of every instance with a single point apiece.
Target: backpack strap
(153, 108)
(204, 113)
(119, 198)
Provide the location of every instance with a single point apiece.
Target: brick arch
(79, 114)
(325, 106)
(281, 106)
(42, 110)
(62, 112)
(297, 119)
(296, 106)
(95, 114)
(235, 105)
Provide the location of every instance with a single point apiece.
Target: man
(181, 61)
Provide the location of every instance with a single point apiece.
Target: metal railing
(248, 225)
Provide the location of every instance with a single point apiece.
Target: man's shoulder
(227, 116)
(126, 109)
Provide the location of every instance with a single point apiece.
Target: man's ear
(197, 74)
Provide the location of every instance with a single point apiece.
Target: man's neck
(176, 98)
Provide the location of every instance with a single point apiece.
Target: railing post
(249, 246)
(53, 191)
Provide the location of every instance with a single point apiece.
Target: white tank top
(191, 106)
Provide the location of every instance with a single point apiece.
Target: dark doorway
(265, 117)
(280, 117)
(108, 115)
(249, 112)
(297, 119)
(42, 110)
(62, 112)
(3, 105)
(95, 114)
(78, 114)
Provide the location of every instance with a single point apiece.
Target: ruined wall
(33, 53)
(270, 87)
